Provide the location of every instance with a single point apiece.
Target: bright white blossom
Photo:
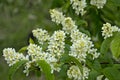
(79, 49)
(79, 6)
(82, 46)
(36, 53)
(56, 16)
(57, 44)
(27, 67)
(107, 30)
(12, 57)
(76, 35)
(75, 73)
(68, 25)
(41, 35)
(56, 49)
(53, 62)
(98, 3)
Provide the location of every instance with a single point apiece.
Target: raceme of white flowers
(107, 30)
(81, 44)
(41, 35)
(98, 3)
(56, 16)
(56, 44)
(11, 56)
(68, 24)
(78, 6)
(74, 72)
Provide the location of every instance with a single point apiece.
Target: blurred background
(19, 17)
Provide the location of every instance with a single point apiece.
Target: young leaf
(105, 45)
(46, 69)
(15, 67)
(23, 49)
(62, 74)
(31, 41)
(93, 74)
(115, 46)
(111, 73)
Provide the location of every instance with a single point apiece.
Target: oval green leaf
(46, 69)
(115, 46)
(15, 67)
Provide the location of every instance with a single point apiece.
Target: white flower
(107, 30)
(52, 61)
(68, 25)
(79, 49)
(94, 53)
(56, 49)
(82, 46)
(75, 73)
(56, 16)
(76, 35)
(36, 52)
(98, 3)
(41, 35)
(79, 6)
(56, 44)
(12, 57)
(27, 67)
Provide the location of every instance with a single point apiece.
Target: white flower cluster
(75, 73)
(36, 52)
(78, 6)
(68, 25)
(107, 30)
(27, 67)
(100, 77)
(56, 16)
(12, 57)
(41, 35)
(80, 48)
(98, 3)
(56, 44)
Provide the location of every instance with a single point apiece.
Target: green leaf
(115, 2)
(105, 45)
(68, 59)
(15, 67)
(31, 41)
(93, 74)
(66, 6)
(94, 65)
(62, 74)
(115, 46)
(104, 50)
(111, 73)
(23, 49)
(46, 69)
